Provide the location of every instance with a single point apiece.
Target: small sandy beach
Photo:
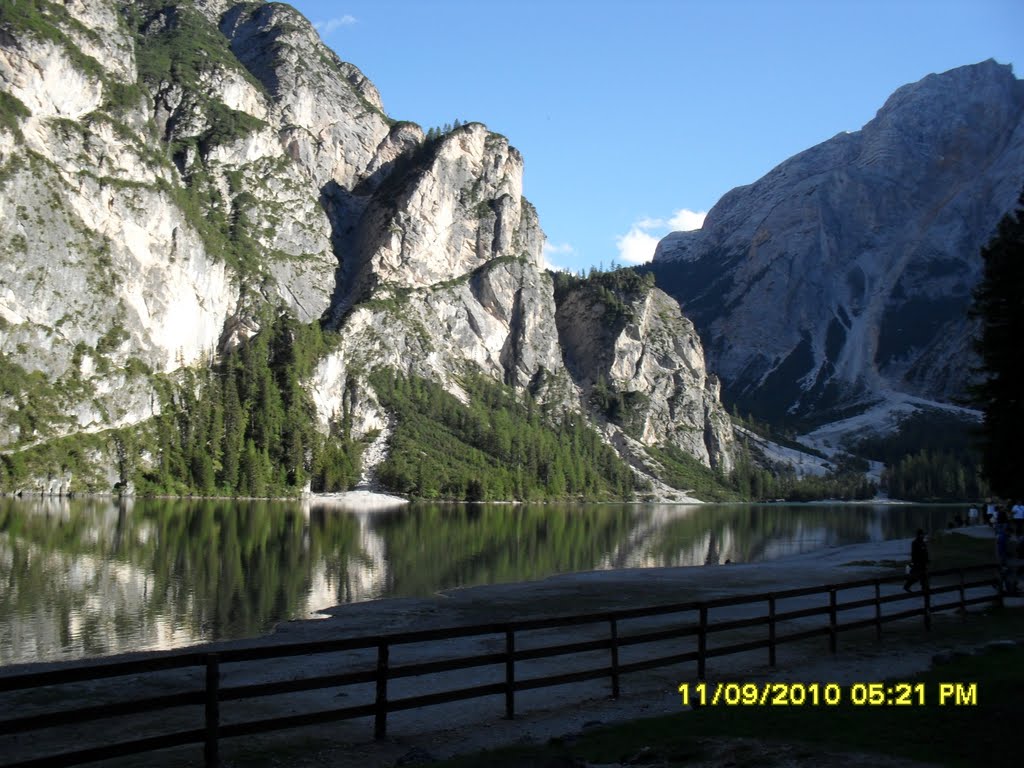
(357, 500)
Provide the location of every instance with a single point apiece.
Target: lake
(89, 577)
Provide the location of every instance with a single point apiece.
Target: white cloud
(684, 220)
(636, 246)
(549, 250)
(331, 25)
(649, 223)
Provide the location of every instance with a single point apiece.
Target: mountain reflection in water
(88, 577)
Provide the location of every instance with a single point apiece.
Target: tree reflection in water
(89, 577)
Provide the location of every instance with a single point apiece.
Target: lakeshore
(473, 725)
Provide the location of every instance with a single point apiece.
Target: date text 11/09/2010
(826, 694)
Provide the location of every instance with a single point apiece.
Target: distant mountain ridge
(842, 278)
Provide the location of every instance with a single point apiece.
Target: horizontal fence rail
(378, 668)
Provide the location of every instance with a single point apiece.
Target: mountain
(216, 242)
(841, 280)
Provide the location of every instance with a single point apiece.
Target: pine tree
(999, 303)
(234, 434)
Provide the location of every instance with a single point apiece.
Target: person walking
(1007, 585)
(918, 562)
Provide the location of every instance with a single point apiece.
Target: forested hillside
(492, 449)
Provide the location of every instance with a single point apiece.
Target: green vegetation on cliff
(494, 448)
(624, 408)
(244, 426)
(247, 426)
(681, 470)
(616, 289)
(11, 112)
(177, 44)
(46, 21)
(29, 401)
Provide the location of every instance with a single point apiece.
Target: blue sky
(633, 118)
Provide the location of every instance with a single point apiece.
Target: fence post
(510, 674)
(613, 625)
(926, 592)
(878, 609)
(963, 595)
(832, 620)
(210, 753)
(380, 716)
(771, 630)
(702, 642)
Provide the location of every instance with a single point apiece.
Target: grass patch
(956, 550)
(944, 735)
(946, 550)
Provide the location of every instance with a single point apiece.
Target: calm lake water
(89, 577)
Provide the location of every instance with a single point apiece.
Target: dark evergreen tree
(999, 303)
(234, 433)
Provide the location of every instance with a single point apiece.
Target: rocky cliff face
(843, 277)
(640, 363)
(168, 169)
(154, 188)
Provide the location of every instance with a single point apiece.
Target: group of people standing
(1009, 555)
(1007, 522)
(996, 515)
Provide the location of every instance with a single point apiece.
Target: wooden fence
(695, 622)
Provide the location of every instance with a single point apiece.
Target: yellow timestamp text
(877, 694)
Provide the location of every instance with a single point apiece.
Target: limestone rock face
(453, 206)
(498, 320)
(845, 274)
(640, 347)
(330, 118)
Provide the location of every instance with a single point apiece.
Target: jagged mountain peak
(274, 38)
(987, 81)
